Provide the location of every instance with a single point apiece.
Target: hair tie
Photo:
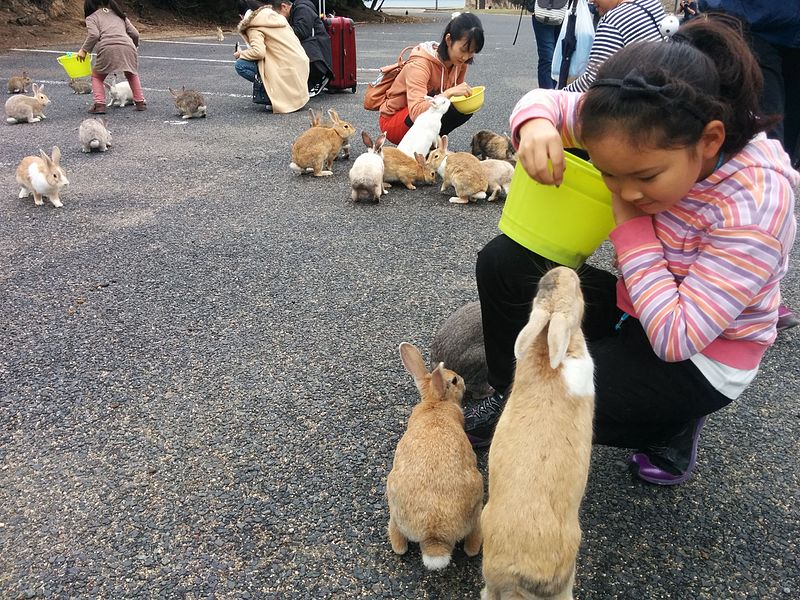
(635, 86)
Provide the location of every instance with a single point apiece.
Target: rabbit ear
(333, 115)
(108, 87)
(443, 143)
(366, 139)
(413, 362)
(44, 156)
(532, 329)
(437, 381)
(35, 88)
(379, 142)
(56, 155)
(558, 336)
(173, 92)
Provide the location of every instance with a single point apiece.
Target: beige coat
(282, 62)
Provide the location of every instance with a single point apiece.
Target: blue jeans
(249, 70)
(546, 38)
(246, 68)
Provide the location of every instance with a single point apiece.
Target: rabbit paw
(323, 174)
(56, 202)
(457, 200)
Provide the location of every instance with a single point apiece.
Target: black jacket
(309, 28)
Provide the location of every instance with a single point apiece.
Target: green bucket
(564, 224)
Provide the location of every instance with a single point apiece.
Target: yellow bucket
(75, 68)
(564, 224)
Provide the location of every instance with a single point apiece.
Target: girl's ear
(712, 138)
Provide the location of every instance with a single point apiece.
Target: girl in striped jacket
(704, 210)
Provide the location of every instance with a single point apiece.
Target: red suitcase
(343, 52)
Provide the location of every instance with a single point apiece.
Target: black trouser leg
(639, 398)
(451, 120)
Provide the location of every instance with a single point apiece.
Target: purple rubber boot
(672, 464)
(786, 318)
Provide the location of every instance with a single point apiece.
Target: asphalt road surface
(200, 389)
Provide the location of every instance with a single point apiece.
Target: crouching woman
(433, 69)
(274, 60)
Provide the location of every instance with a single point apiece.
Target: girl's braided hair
(663, 94)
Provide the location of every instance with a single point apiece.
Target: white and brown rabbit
(190, 103)
(42, 176)
(459, 343)
(488, 144)
(119, 93)
(79, 86)
(462, 170)
(27, 109)
(315, 149)
(398, 166)
(434, 489)
(366, 174)
(539, 459)
(18, 84)
(220, 35)
(94, 135)
(317, 121)
(425, 130)
(498, 174)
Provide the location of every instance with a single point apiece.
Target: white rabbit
(94, 135)
(27, 109)
(425, 130)
(499, 174)
(119, 94)
(539, 459)
(42, 176)
(366, 174)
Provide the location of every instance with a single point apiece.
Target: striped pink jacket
(703, 276)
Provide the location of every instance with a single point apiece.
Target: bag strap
(649, 14)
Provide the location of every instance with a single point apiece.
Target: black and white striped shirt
(631, 21)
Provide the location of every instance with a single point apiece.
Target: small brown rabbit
(498, 174)
(18, 84)
(463, 171)
(190, 103)
(27, 109)
(398, 166)
(42, 176)
(316, 121)
(79, 86)
(488, 144)
(434, 489)
(220, 35)
(539, 459)
(315, 148)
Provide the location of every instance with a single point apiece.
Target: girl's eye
(648, 178)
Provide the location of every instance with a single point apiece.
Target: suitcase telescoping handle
(321, 7)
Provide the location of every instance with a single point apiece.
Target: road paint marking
(190, 43)
(217, 60)
(148, 89)
(213, 60)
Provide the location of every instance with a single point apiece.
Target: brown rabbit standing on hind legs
(434, 489)
(539, 459)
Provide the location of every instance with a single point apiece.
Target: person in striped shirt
(704, 209)
(622, 22)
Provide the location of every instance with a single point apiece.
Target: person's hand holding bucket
(539, 147)
(81, 55)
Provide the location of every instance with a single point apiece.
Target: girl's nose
(630, 193)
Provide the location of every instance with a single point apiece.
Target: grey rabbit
(459, 344)
(488, 144)
(94, 135)
(80, 86)
(18, 84)
(190, 103)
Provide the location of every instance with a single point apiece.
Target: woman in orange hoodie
(433, 69)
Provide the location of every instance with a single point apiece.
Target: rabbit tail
(94, 144)
(435, 554)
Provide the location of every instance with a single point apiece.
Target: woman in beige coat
(282, 64)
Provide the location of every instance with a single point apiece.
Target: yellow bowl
(565, 224)
(467, 105)
(75, 68)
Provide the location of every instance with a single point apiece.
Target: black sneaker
(480, 420)
(318, 88)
